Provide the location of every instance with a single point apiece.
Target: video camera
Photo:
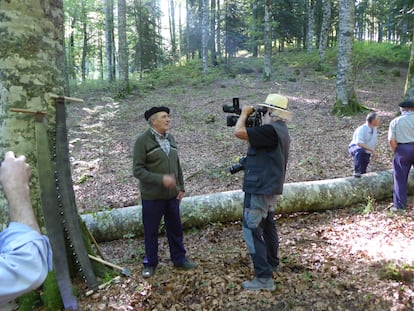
(254, 119)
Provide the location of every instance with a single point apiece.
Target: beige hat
(279, 104)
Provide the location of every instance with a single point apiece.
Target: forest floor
(356, 258)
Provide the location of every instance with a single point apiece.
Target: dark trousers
(260, 234)
(361, 158)
(152, 212)
(401, 164)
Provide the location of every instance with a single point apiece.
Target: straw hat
(279, 105)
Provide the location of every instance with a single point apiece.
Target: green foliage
(368, 207)
(91, 86)
(381, 53)
(402, 273)
(170, 75)
(290, 65)
(353, 107)
(52, 300)
(29, 301)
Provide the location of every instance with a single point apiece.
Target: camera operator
(265, 167)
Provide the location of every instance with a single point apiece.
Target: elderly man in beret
(401, 140)
(265, 168)
(157, 166)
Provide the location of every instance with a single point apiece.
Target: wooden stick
(70, 99)
(94, 242)
(103, 285)
(27, 111)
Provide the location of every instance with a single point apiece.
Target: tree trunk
(109, 47)
(39, 67)
(218, 31)
(187, 32)
(85, 40)
(200, 210)
(409, 84)
(346, 101)
(326, 21)
(213, 32)
(32, 67)
(311, 26)
(204, 34)
(173, 37)
(267, 60)
(123, 86)
(254, 25)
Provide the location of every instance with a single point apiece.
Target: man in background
(401, 140)
(363, 143)
(25, 254)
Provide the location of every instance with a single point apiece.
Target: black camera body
(254, 119)
(237, 167)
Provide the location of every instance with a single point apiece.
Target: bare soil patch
(335, 260)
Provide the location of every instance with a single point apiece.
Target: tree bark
(344, 84)
(196, 211)
(123, 86)
(204, 34)
(109, 39)
(173, 37)
(346, 101)
(326, 21)
(311, 26)
(409, 84)
(32, 67)
(267, 59)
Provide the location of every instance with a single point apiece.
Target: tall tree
(84, 20)
(254, 22)
(204, 34)
(173, 37)
(213, 32)
(218, 29)
(39, 68)
(311, 25)
(409, 84)
(346, 101)
(123, 83)
(267, 61)
(187, 26)
(109, 40)
(323, 38)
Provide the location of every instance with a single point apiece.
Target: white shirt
(402, 128)
(365, 135)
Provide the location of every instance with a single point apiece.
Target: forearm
(393, 144)
(25, 258)
(366, 148)
(240, 130)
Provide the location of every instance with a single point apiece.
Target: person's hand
(247, 110)
(14, 174)
(180, 196)
(169, 182)
(14, 177)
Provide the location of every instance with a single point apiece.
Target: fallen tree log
(196, 211)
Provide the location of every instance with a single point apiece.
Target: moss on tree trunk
(351, 108)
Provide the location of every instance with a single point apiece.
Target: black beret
(406, 104)
(154, 110)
